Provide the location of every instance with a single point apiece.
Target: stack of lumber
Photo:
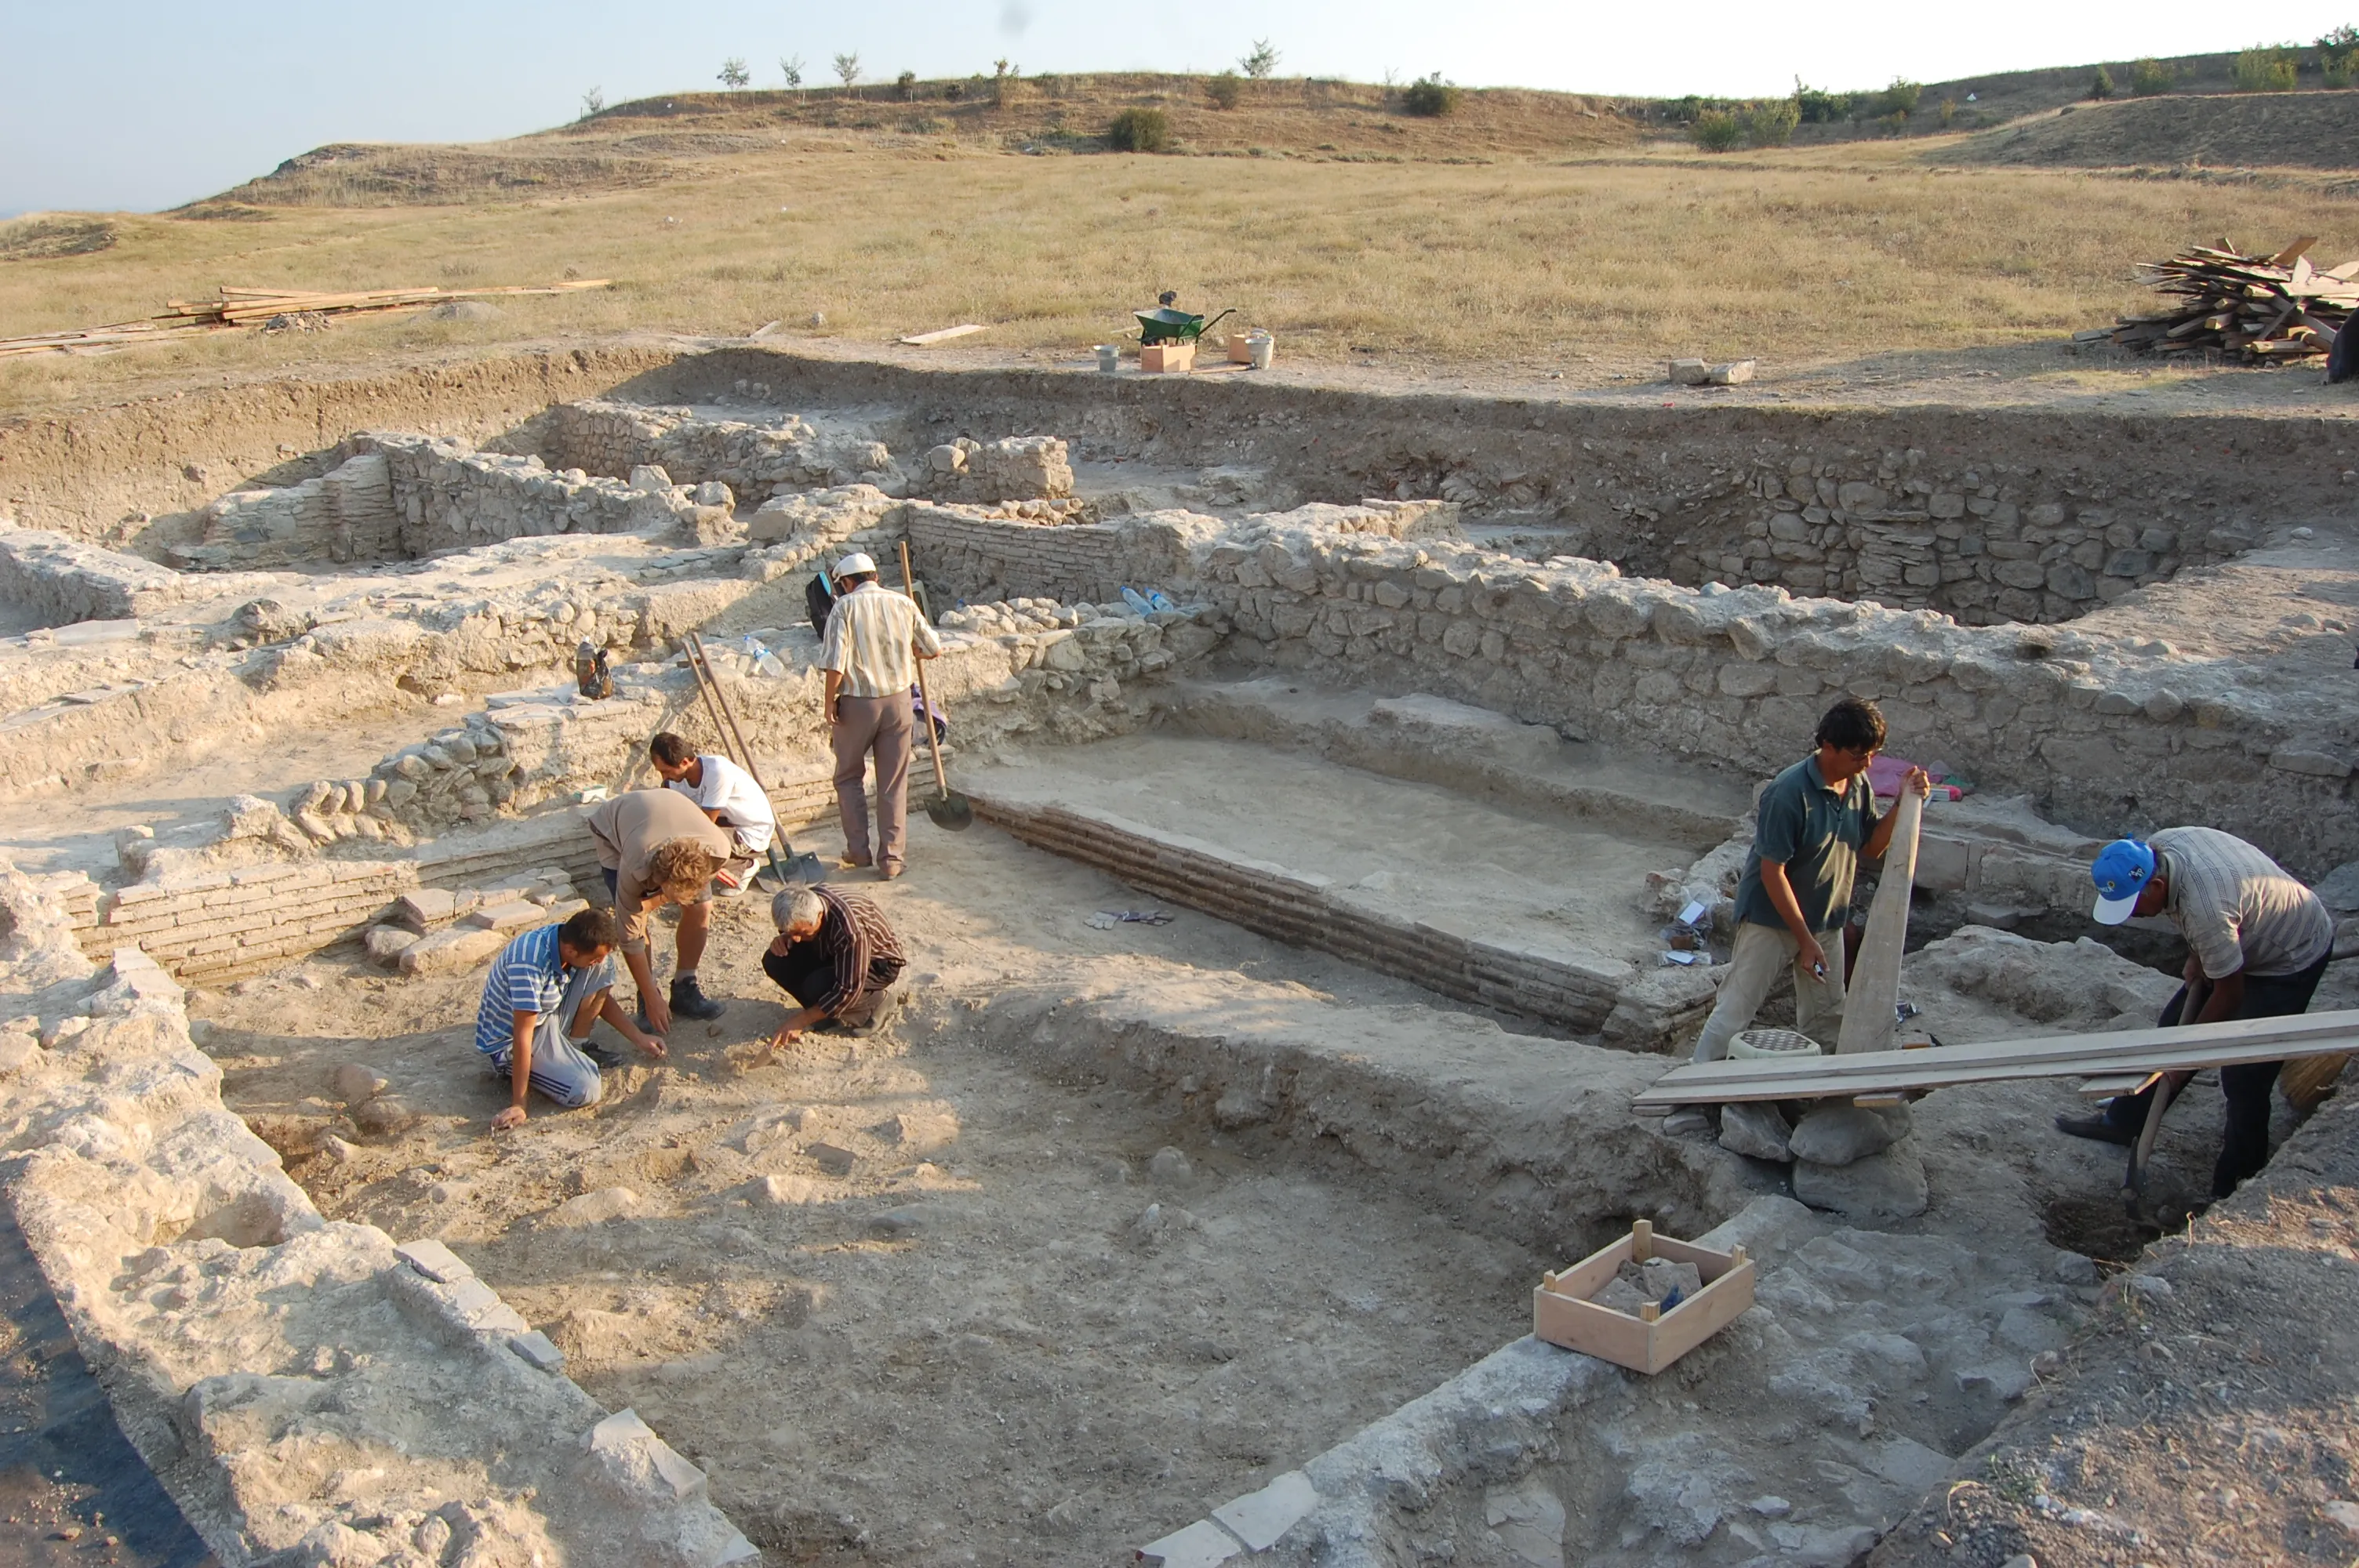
(2114, 1062)
(2264, 310)
(259, 307)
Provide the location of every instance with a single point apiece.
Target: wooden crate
(1563, 1315)
(1240, 347)
(1157, 357)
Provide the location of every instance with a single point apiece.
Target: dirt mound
(2276, 130)
(40, 237)
(620, 148)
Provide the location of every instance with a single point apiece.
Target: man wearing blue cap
(2257, 943)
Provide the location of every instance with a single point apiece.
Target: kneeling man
(724, 793)
(547, 989)
(836, 956)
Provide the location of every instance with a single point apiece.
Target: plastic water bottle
(1160, 600)
(1136, 601)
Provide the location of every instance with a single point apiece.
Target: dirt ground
(1003, 1338)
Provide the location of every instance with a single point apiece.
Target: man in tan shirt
(656, 847)
(874, 639)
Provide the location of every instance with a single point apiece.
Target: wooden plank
(1870, 998)
(2181, 1049)
(942, 335)
(2294, 252)
(2113, 1083)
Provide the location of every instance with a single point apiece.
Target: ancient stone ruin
(1341, 762)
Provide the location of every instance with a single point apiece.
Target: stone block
(1756, 1131)
(1202, 1544)
(1688, 373)
(1846, 1134)
(636, 1463)
(450, 952)
(434, 1260)
(1258, 1518)
(1889, 1185)
(386, 944)
(538, 1350)
(594, 1208)
(425, 909)
(514, 915)
(2319, 765)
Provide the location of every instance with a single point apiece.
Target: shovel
(948, 808)
(785, 870)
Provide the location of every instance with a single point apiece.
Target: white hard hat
(856, 565)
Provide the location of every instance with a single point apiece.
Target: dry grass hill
(1523, 234)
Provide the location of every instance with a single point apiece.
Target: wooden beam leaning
(2140, 1051)
(1870, 999)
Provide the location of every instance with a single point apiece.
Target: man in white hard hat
(2257, 943)
(874, 637)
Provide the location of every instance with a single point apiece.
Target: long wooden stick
(2185, 1048)
(1869, 999)
(933, 741)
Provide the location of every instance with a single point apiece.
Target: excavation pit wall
(250, 1348)
(2080, 722)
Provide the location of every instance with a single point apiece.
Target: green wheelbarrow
(1169, 326)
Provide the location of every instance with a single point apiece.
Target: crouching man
(726, 794)
(546, 990)
(836, 956)
(655, 848)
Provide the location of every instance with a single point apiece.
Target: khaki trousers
(882, 725)
(1761, 952)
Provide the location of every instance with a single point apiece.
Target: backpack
(819, 598)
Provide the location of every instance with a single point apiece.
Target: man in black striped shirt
(836, 956)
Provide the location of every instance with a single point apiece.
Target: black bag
(2343, 359)
(819, 598)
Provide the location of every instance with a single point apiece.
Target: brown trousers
(881, 724)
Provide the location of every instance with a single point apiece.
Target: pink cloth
(1884, 773)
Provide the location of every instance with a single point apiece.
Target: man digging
(656, 847)
(726, 794)
(546, 990)
(2258, 942)
(836, 956)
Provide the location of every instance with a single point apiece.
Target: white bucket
(1109, 358)
(1262, 348)
(1753, 1045)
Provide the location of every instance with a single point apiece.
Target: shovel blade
(953, 812)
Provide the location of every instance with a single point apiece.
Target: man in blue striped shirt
(547, 989)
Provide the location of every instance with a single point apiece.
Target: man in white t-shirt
(724, 793)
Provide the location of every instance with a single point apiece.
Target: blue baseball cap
(2123, 869)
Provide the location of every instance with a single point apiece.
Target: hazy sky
(146, 105)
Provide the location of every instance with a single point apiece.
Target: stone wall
(2106, 734)
(756, 461)
(348, 514)
(1984, 545)
(60, 581)
(260, 1357)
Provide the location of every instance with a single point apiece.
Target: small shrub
(1820, 108)
(1771, 123)
(1262, 63)
(954, 91)
(2266, 71)
(2101, 84)
(593, 103)
(1948, 113)
(1224, 89)
(2338, 57)
(1899, 99)
(1139, 130)
(1431, 97)
(1051, 84)
(1004, 79)
(734, 73)
(1716, 131)
(906, 85)
(2148, 77)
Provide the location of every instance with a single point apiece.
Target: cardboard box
(1159, 357)
(1563, 1315)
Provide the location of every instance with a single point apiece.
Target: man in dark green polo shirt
(1813, 823)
